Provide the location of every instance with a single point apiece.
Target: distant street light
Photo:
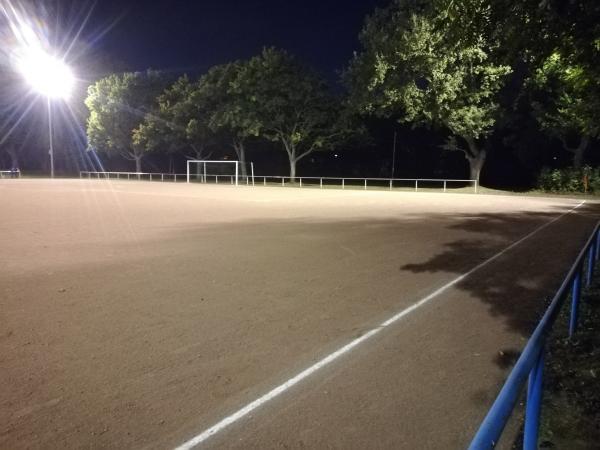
(50, 77)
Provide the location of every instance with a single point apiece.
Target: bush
(570, 180)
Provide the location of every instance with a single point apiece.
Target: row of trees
(271, 96)
(465, 67)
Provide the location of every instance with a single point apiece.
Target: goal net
(232, 172)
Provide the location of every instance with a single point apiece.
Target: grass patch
(571, 401)
(571, 407)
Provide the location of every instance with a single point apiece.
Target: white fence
(10, 173)
(415, 184)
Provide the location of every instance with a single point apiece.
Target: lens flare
(46, 74)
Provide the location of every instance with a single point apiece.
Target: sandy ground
(138, 314)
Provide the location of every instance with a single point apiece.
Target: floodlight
(46, 74)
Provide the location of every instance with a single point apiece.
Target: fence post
(365, 184)
(575, 294)
(343, 187)
(390, 185)
(300, 182)
(416, 185)
(534, 404)
(444, 185)
(282, 181)
(264, 181)
(321, 183)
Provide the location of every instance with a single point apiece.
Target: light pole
(50, 138)
(49, 76)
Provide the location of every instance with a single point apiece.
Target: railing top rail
(363, 178)
(134, 173)
(494, 422)
(288, 177)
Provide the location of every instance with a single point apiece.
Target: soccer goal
(233, 172)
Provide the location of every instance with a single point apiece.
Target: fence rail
(10, 173)
(343, 182)
(530, 364)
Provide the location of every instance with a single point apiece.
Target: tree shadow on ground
(517, 285)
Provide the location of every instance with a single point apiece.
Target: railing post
(534, 404)
(321, 183)
(575, 294)
(282, 181)
(444, 185)
(264, 181)
(365, 184)
(590, 268)
(390, 185)
(343, 187)
(300, 182)
(416, 185)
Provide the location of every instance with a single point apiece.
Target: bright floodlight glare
(46, 74)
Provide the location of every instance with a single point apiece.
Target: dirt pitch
(139, 314)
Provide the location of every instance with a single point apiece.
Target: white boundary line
(198, 439)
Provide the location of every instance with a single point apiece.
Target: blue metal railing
(531, 362)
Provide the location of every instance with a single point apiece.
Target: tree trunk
(293, 169)
(14, 157)
(579, 152)
(240, 151)
(476, 158)
(138, 163)
(475, 166)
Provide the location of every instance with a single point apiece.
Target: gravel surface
(138, 314)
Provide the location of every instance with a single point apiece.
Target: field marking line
(198, 439)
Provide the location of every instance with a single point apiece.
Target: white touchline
(346, 348)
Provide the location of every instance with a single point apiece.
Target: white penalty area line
(196, 440)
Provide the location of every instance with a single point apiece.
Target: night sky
(191, 36)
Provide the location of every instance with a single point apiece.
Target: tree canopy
(417, 67)
(285, 102)
(118, 105)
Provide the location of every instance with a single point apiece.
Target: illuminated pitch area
(139, 314)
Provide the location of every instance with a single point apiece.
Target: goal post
(213, 171)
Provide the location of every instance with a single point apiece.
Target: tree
(567, 103)
(179, 125)
(432, 63)
(285, 102)
(118, 105)
(556, 44)
(223, 109)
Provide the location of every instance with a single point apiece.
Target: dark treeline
(495, 89)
